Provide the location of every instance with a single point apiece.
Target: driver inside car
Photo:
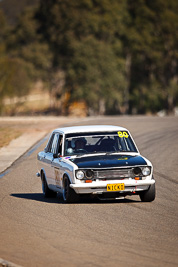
(80, 144)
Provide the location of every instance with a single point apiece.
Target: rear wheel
(46, 191)
(69, 194)
(148, 195)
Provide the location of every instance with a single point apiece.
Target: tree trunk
(102, 107)
(128, 76)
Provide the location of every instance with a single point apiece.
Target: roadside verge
(18, 147)
(4, 263)
(35, 129)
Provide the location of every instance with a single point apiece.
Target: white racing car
(96, 160)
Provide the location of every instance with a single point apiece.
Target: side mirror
(55, 156)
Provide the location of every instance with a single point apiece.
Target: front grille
(113, 174)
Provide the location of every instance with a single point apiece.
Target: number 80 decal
(123, 134)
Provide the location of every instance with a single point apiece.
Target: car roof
(90, 128)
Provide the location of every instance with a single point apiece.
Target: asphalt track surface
(46, 232)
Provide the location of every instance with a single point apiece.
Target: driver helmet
(74, 140)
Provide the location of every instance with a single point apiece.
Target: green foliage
(13, 77)
(152, 41)
(14, 81)
(117, 56)
(13, 8)
(26, 43)
(24, 57)
(93, 71)
(3, 26)
(82, 36)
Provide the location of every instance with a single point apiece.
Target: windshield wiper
(102, 152)
(117, 152)
(90, 153)
(112, 152)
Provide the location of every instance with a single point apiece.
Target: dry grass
(7, 134)
(13, 127)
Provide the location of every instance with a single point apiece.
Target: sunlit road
(39, 232)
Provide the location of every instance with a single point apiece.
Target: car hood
(106, 161)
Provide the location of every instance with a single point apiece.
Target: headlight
(89, 174)
(137, 171)
(146, 171)
(80, 175)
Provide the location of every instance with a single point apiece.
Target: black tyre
(148, 195)
(46, 191)
(69, 194)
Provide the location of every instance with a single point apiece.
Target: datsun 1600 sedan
(98, 160)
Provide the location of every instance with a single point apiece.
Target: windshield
(87, 143)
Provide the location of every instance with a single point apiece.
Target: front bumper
(101, 186)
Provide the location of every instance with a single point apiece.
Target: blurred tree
(25, 57)
(167, 51)
(118, 56)
(13, 8)
(93, 75)
(83, 47)
(3, 29)
(3, 26)
(24, 42)
(14, 80)
(151, 40)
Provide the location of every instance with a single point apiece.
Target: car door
(47, 160)
(49, 157)
(56, 163)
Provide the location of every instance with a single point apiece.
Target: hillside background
(88, 57)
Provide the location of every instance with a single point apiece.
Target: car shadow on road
(59, 200)
(37, 197)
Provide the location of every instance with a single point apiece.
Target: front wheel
(69, 194)
(46, 191)
(148, 195)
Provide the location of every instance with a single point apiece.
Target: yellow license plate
(115, 187)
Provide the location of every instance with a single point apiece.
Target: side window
(60, 145)
(55, 144)
(48, 148)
